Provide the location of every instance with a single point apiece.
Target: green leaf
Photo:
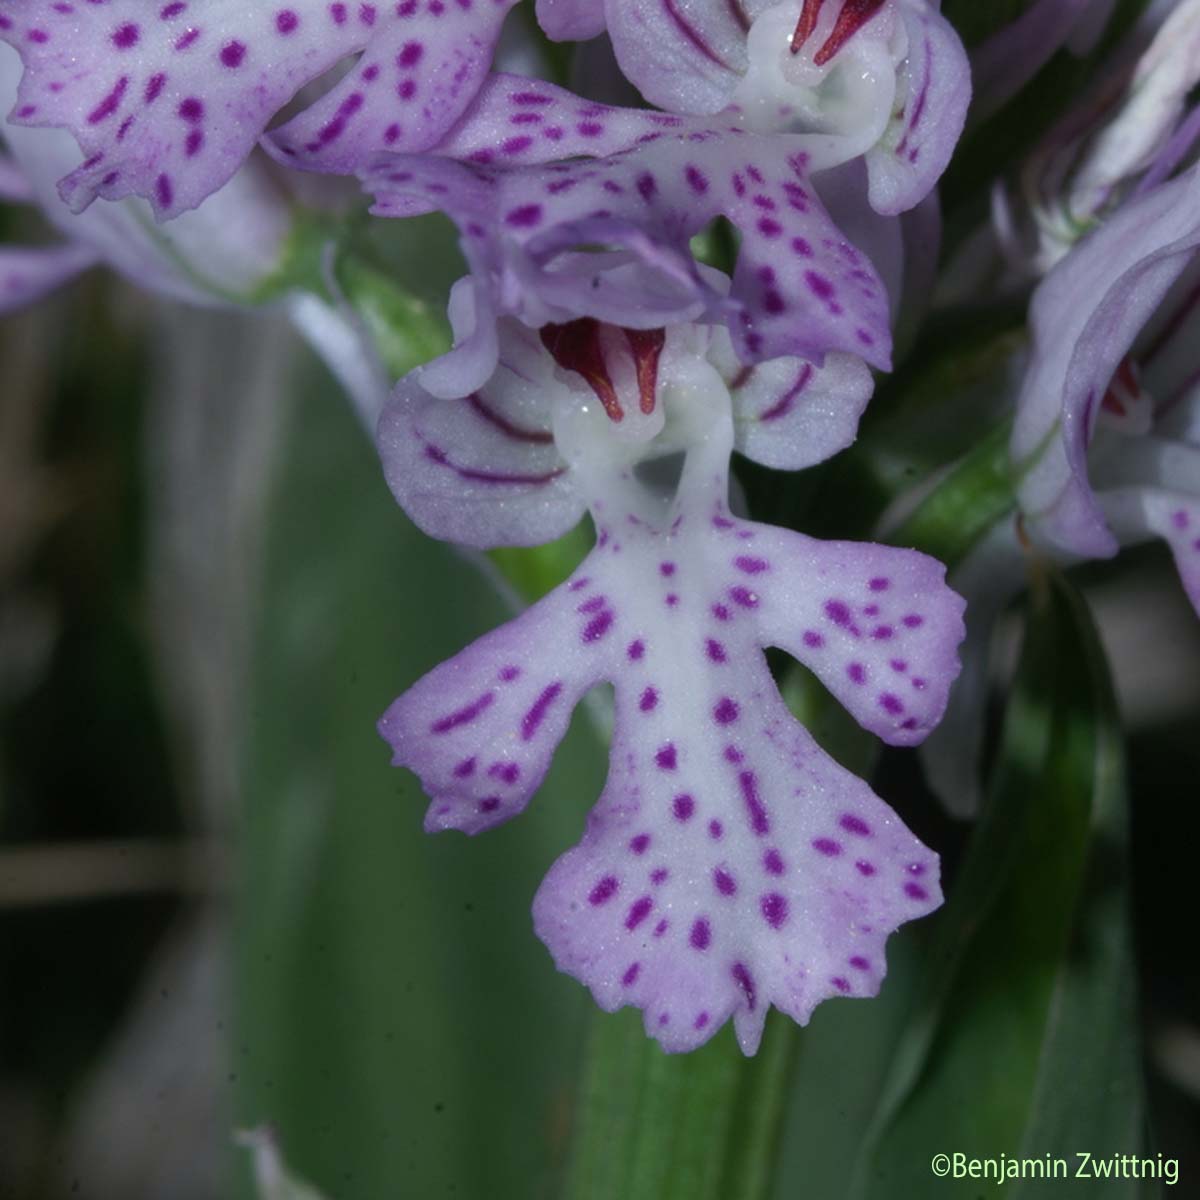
(1023, 1041)
(397, 1019)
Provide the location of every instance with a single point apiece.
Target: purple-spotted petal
(745, 870)
(27, 273)
(571, 20)
(480, 730)
(167, 100)
(876, 624)
(932, 109)
(1085, 315)
(519, 121)
(683, 57)
(484, 470)
(799, 288)
(791, 414)
(1136, 513)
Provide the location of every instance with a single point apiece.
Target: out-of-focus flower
(884, 79)
(167, 101)
(730, 864)
(609, 238)
(1106, 458)
(224, 251)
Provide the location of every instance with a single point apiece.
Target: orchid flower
(1106, 460)
(887, 79)
(609, 239)
(730, 864)
(167, 101)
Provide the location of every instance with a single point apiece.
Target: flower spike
(167, 100)
(730, 864)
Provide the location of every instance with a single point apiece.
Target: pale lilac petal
(730, 864)
(484, 470)
(27, 273)
(167, 101)
(1084, 317)
(799, 288)
(684, 57)
(517, 121)
(1138, 513)
(791, 414)
(876, 624)
(481, 729)
(571, 20)
(936, 90)
(753, 872)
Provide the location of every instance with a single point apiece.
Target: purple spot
(837, 612)
(598, 626)
(759, 821)
(857, 672)
(191, 109)
(683, 806)
(720, 612)
(890, 703)
(916, 868)
(125, 36)
(859, 963)
(605, 890)
(715, 651)
(879, 584)
(532, 720)
(631, 973)
(914, 621)
(842, 985)
(666, 757)
(701, 934)
(773, 862)
(852, 824)
(774, 909)
(865, 868)
(524, 216)
(636, 650)
(724, 881)
(726, 711)
(659, 875)
(745, 981)
(508, 674)
(813, 640)
(744, 597)
(410, 54)
(751, 566)
(465, 769)
(915, 891)
(827, 847)
(700, 1021)
(696, 180)
(286, 21)
(639, 910)
(649, 700)
(233, 54)
(489, 804)
(662, 927)
(508, 772)
(882, 633)
(464, 715)
(640, 843)
(715, 830)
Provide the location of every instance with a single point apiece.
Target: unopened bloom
(884, 79)
(1106, 437)
(167, 100)
(730, 864)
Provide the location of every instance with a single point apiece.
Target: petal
(683, 57)
(1085, 315)
(753, 872)
(791, 414)
(27, 273)
(481, 471)
(935, 90)
(876, 624)
(518, 121)
(800, 288)
(571, 20)
(167, 103)
(481, 729)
